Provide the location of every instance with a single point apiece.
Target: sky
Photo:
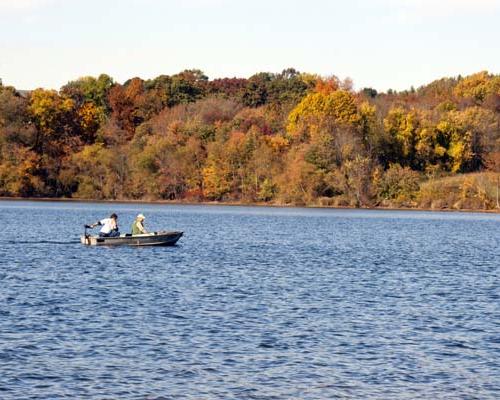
(377, 43)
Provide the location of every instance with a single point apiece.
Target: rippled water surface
(253, 303)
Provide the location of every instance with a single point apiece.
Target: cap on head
(114, 216)
(141, 216)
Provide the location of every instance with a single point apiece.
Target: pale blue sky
(378, 43)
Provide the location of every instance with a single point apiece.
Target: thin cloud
(22, 5)
(433, 8)
(475, 4)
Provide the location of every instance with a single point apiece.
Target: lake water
(253, 303)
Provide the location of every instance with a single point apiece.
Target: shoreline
(239, 204)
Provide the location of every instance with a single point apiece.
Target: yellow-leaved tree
(18, 169)
(403, 126)
(90, 117)
(52, 115)
(478, 86)
(466, 132)
(319, 108)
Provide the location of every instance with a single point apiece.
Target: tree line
(285, 138)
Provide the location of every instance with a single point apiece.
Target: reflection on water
(257, 303)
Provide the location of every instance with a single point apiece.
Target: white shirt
(108, 224)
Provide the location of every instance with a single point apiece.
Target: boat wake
(40, 242)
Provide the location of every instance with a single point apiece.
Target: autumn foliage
(285, 138)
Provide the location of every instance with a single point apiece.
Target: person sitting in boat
(138, 225)
(109, 226)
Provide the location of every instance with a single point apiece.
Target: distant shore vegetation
(277, 138)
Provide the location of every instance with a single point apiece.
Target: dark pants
(110, 234)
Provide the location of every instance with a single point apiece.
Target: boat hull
(149, 239)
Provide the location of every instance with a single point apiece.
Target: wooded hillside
(285, 138)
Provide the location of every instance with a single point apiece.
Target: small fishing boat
(162, 238)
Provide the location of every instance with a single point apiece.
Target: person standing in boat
(138, 225)
(109, 226)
